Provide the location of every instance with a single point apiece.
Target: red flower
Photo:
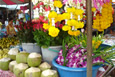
(84, 7)
(35, 20)
(45, 21)
(98, 12)
(60, 26)
(41, 17)
(41, 3)
(81, 4)
(41, 26)
(38, 5)
(57, 24)
(35, 26)
(20, 27)
(47, 8)
(25, 27)
(94, 18)
(35, 7)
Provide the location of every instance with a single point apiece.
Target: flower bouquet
(24, 33)
(26, 37)
(56, 20)
(48, 32)
(73, 57)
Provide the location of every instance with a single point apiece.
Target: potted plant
(48, 34)
(72, 59)
(25, 36)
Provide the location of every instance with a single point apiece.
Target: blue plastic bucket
(73, 72)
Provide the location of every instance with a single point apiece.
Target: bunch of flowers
(104, 19)
(45, 33)
(24, 33)
(57, 20)
(76, 56)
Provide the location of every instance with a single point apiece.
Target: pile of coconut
(24, 64)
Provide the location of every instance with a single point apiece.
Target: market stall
(60, 36)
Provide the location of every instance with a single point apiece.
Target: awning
(13, 7)
(12, 2)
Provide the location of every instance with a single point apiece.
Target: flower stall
(52, 17)
(62, 29)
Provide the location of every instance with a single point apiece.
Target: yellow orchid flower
(58, 4)
(59, 18)
(66, 28)
(79, 25)
(53, 31)
(71, 10)
(46, 26)
(70, 32)
(52, 14)
(93, 9)
(71, 22)
(74, 33)
(79, 12)
(66, 15)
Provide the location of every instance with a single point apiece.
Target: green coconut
(22, 57)
(19, 69)
(34, 59)
(12, 53)
(11, 65)
(44, 66)
(33, 72)
(49, 73)
(4, 63)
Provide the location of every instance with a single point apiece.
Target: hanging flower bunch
(55, 18)
(48, 28)
(72, 16)
(104, 19)
(74, 22)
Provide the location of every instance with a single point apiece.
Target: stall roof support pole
(89, 37)
(30, 9)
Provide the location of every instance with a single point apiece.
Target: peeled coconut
(22, 57)
(49, 73)
(44, 66)
(12, 53)
(34, 59)
(11, 65)
(4, 63)
(33, 72)
(19, 69)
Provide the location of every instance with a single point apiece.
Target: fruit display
(11, 65)
(3, 53)
(33, 72)
(22, 57)
(49, 73)
(4, 63)
(7, 42)
(27, 65)
(12, 53)
(44, 66)
(34, 59)
(19, 69)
